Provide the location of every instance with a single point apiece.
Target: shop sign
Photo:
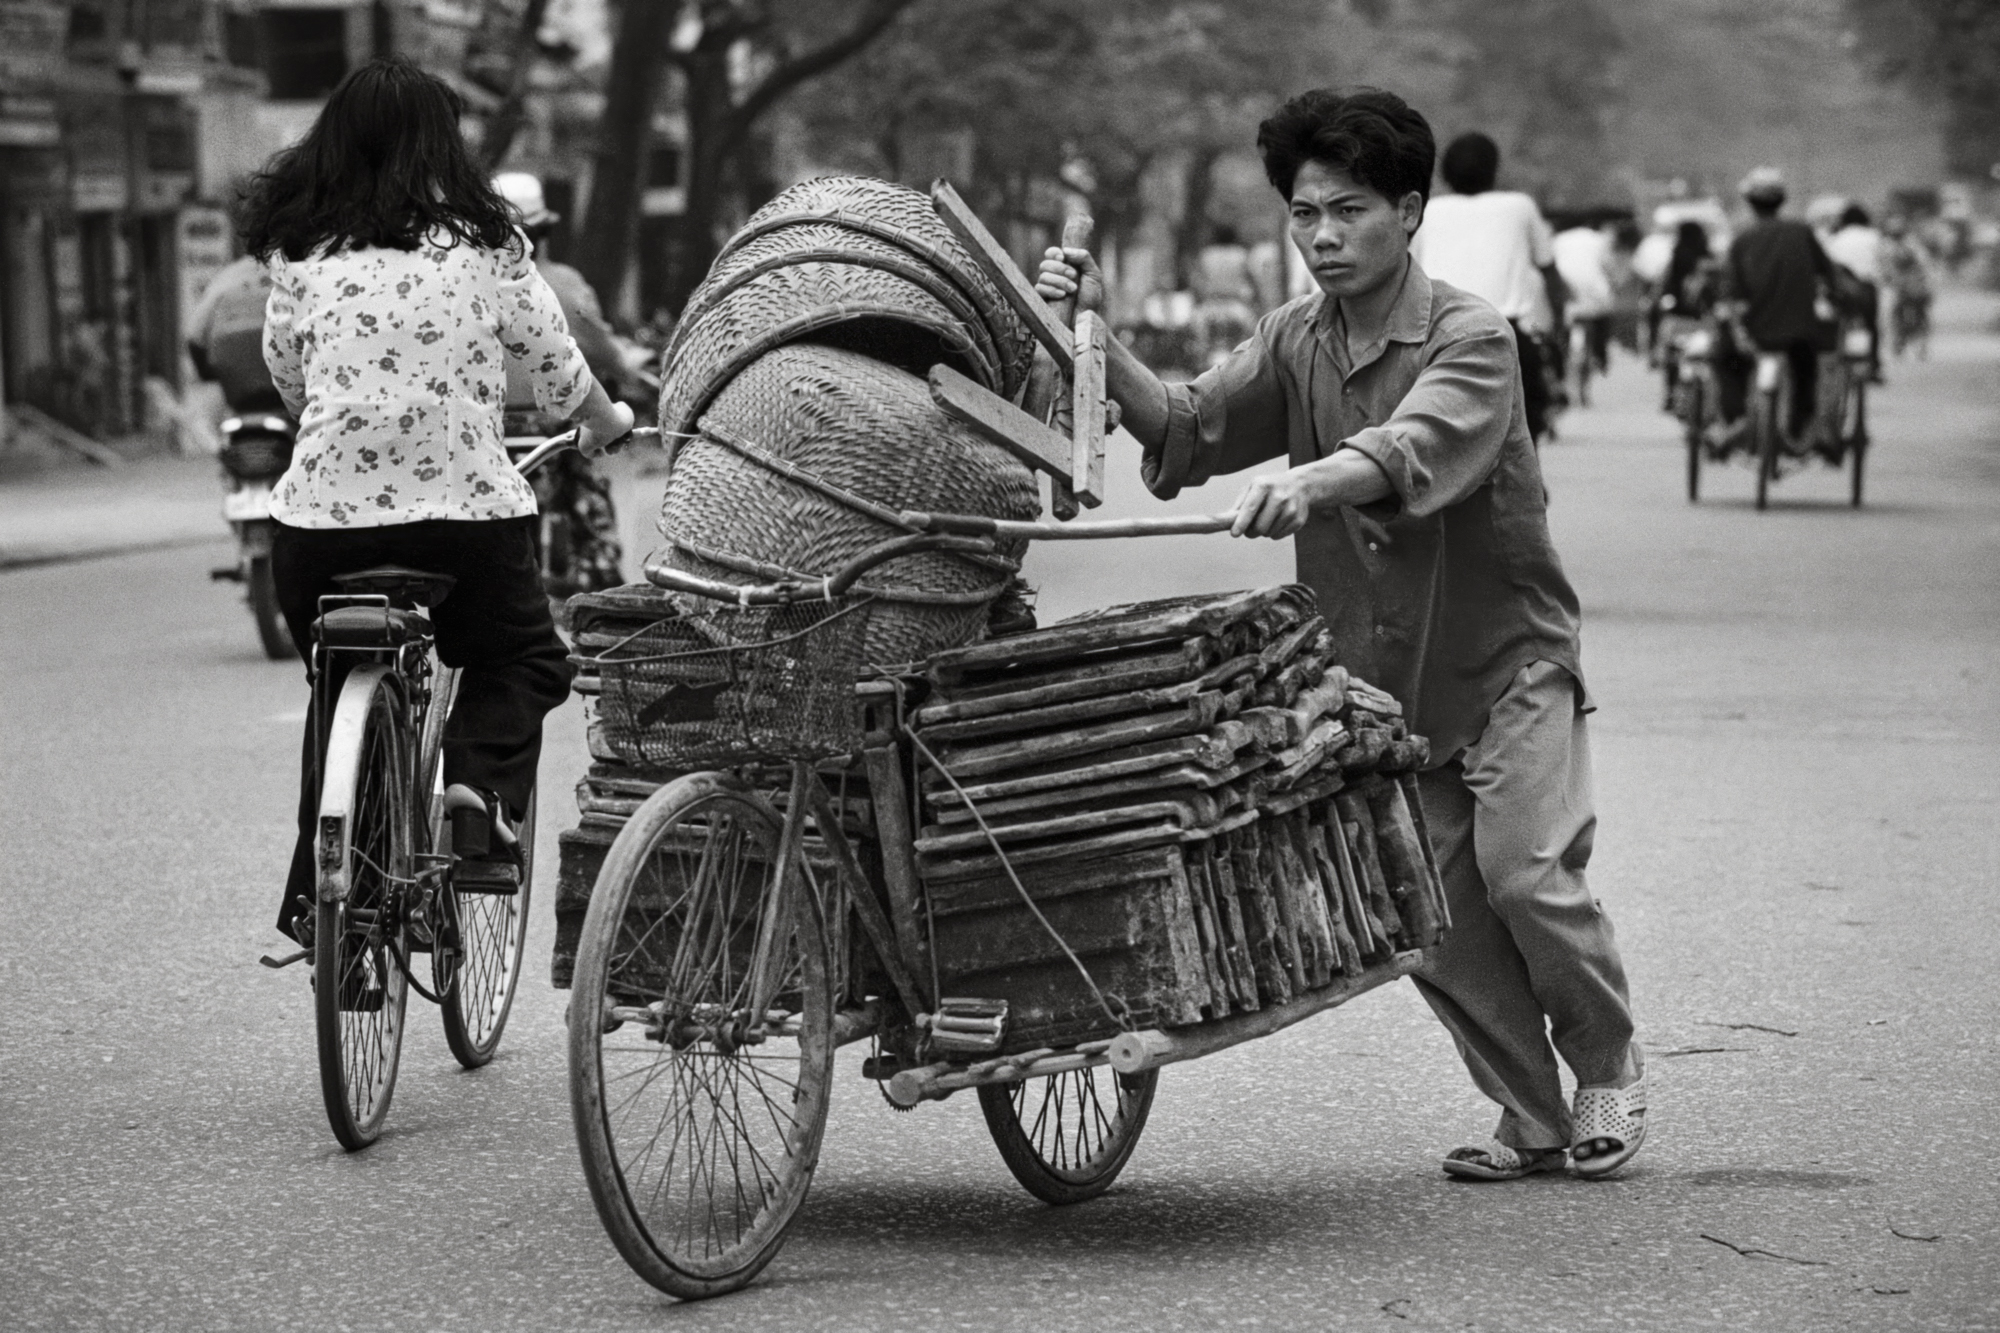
(28, 122)
(31, 40)
(93, 191)
(202, 250)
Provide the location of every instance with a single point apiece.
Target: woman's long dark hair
(384, 165)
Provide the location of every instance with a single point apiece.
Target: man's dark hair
(1471, 163)
(384, 165)
(1373, 136)
(1854, 215)
(1767, 205)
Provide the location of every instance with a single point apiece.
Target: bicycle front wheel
(359, 941)
(698, 1121)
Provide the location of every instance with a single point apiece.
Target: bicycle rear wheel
(1066, 1137)
(492, 933)
(699, 1123)
(359, 988)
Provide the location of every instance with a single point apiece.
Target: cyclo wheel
(1693, 423)
(698, 1146)
(1057, 1135)
(359, 938)
(1768, 425)
(1854, 432)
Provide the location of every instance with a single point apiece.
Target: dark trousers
(1534, 382)
(1732, 381)
(494, 625)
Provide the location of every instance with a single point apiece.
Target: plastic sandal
(1617, 1114)
(1502, 1162)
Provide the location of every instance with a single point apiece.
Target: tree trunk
(505, 125)
(611, 223)
(712, 136)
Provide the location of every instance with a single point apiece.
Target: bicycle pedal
(276, 963)
(967, 1026)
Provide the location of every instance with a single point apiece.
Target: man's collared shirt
(1445, 589)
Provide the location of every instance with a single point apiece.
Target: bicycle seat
(371, 627)
(399, 584)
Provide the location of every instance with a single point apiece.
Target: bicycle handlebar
(555, 444)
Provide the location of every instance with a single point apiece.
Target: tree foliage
(1951, 50)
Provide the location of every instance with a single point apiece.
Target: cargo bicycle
(755, 913)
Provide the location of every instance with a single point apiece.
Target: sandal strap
(1609, 1113)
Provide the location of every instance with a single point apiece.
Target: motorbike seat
(401, 585)
(371, 627)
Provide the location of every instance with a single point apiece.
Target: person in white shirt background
(1856, 246)
(1584, 259)
(402, 290)
(1496, 245)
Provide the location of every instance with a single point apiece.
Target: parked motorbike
(256, 450)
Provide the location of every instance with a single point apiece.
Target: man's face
(1353, 238)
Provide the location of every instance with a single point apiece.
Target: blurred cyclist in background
(1496, 245)
(1773, 277)
(570, 488)
(1584, 258)
(1857, 247)
(226, 337)
(1906, 272)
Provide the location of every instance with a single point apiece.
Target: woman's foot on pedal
(486, 849)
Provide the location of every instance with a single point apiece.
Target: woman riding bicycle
(402, 292)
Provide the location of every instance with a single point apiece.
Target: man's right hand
(1066, 273)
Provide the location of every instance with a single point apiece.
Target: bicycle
(752, 917)
(386, 889)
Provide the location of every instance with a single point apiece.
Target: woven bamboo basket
(768, 491)
(851, 262)
(861, 205)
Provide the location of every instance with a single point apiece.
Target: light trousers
(1529, 969)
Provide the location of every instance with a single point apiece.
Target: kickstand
(275, 963)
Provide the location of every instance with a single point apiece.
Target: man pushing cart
(1418, 505)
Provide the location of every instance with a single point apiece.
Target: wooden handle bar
(973, 525)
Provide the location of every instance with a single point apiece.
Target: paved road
(1798, 742)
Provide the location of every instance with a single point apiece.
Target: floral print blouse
(395, 364)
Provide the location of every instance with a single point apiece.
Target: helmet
(1763, 185)
(523, 190)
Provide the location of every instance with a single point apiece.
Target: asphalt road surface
(1797, 751)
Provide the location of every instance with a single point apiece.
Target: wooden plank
(1284, 890)
(1136, 1052)
(1097, 706)
(979, 760)
(1086, 467)
(891, 834)
(998, 421)
(938, 870)
(1056, 879)
(998, 265)
(1403, 863)
(1359, 826)
(1243, 969)
(1214, 751)
(1174, 669)
(1369, 937)
(1183, 813)
(1185, 659)
(1146, 622)
(1188, 776)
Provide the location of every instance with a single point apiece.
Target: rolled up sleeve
(536, 337)
(1444, 439)
(284, 353)
(1232, 416)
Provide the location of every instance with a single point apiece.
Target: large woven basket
(848, 261)
(768, 492)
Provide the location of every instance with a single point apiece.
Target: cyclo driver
(402, 293)
(1417, 498)
(1772, 279)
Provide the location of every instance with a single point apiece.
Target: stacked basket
(799, 426)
